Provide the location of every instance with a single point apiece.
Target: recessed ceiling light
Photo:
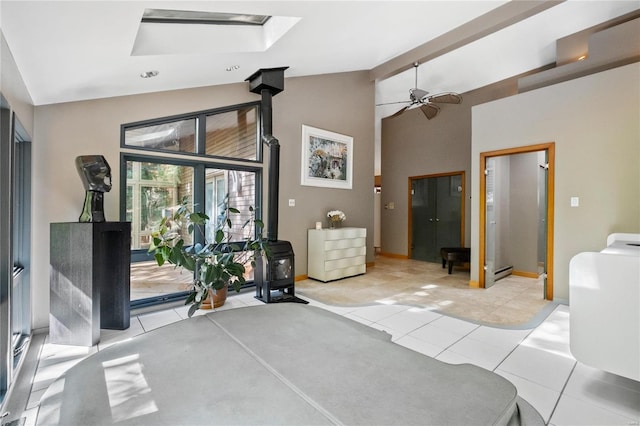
(233, 68)
(582, 58)
(149, 74)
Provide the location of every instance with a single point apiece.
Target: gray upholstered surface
(273, 364)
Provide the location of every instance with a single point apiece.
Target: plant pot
(216, 299)
(335, 224)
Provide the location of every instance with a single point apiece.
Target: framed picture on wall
(327, 159)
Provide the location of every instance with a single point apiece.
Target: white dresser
(336, 253)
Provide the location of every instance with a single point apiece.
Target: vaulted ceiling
(78, 50)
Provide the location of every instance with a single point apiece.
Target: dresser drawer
(348, 252)
(343, 244)
(330, 265)
(336, 274)
(342, 233)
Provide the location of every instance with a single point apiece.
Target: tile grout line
(555, 406)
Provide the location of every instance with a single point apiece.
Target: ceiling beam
(492, 21)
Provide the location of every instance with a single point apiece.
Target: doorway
(435, 215)
(500, 187)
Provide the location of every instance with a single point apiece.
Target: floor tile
(571, 411)
(585, 384)
(34, 398)
(451, 357)
(498, 336)
(552, 335)
(544, 368)
(47, 374)
(435, 336)
(483, 354)
(376, 313)
(609, 378)
(358, 319)
(409, 320)
(541, 398)
(110, 337)
(154, 320)
(30, 415)
(53, 354)
(419, 346)
(454, 325)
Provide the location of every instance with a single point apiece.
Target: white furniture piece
(336, 253)
(604, 291)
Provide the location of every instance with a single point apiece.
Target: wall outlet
(292, 202)
(575, 201)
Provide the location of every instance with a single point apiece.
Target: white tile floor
(537, 361)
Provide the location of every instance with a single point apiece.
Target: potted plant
(336, 217)
(216, 264)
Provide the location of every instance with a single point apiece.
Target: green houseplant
(215, 264)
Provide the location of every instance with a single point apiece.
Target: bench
(454, 254)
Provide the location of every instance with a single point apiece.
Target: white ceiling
(78, 50)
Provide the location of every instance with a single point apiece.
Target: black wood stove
(274, 276)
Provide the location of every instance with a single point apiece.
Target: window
(195, 163)
(232, 134)
(172, 136)
(228, 133)
(153, 190)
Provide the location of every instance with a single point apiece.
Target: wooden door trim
(410, 213)
(550, 148)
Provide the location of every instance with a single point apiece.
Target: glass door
(15, 245)
(436, 215)
(490, 223)
(543, 189)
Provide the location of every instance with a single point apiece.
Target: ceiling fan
(421, 98)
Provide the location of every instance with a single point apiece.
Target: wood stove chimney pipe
(268, 82)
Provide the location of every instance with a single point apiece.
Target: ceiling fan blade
(399, 112)
(446, 98)
(392, 103)
(429, 110)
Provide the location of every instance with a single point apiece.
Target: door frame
(550, 148)
(410, 213)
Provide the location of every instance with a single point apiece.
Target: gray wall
(341, 103)
(594, 123)
(411, 145)
(14, 89)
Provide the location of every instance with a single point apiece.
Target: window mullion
(201, 134)
(199, 190)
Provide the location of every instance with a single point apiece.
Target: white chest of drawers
(336, 253)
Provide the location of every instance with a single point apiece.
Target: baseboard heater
(502, 273)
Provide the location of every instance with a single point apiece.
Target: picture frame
(327, 159)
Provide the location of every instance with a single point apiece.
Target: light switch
(575, 201)
(392, 205)
(292, 202)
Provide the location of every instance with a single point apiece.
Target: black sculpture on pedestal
(96, 178)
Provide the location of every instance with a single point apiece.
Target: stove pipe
(268, 82)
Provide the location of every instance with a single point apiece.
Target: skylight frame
(170, 16)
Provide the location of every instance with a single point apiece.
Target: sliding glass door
(15, 245)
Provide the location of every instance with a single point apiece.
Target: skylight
(181, 32)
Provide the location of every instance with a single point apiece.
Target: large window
(229, 133)
(205, 165)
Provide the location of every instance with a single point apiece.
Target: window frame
(199, 184)
(201, 120)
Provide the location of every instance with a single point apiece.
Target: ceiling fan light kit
(421, 98)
